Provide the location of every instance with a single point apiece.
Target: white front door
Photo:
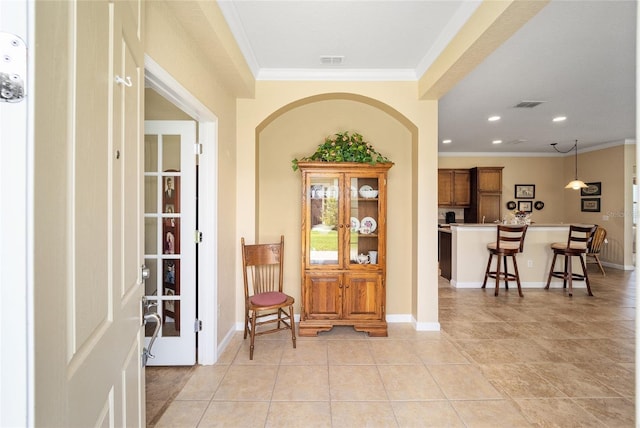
(104, 375)
(170, 227)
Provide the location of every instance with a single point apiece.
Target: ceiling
(577, 57)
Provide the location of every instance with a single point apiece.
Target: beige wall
(610, 166)
(170, 45)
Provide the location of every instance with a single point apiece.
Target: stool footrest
(565, 276)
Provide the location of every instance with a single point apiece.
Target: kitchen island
(469, 255)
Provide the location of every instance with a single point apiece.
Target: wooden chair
(265, 303)
(509, 242)
(593, 252)
(578, 242)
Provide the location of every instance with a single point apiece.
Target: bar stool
(576, 246)
(509, 242)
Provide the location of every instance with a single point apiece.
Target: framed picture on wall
(525, 191)
(590, 205)
(592, 189)
(525, 206)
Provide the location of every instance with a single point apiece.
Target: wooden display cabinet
(343, 247)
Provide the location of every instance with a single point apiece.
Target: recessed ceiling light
(560, 118)
(496, 142)
(493, 118)
(446, 141)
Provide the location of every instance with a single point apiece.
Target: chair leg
(599, 264)
(246, 321)
(293, 326)
(568, 274)
(497, 275)
(515, 268)
(506, 272)
(253, 335)
(586, 276)
(486, 272)
(553, 264)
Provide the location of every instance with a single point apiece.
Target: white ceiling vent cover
(528, 104)
(331, 59)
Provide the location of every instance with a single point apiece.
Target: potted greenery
(343, 147)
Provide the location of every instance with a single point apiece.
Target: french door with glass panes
(170, 224)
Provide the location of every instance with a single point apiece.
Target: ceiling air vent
(331, 60)
(528, 104)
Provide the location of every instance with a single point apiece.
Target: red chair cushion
(268, 299)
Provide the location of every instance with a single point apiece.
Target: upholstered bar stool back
(577, 243)
(509, 242)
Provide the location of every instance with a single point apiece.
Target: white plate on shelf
(355, 224)
(365, 188)
(370, 223)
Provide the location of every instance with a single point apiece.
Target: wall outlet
(605, 218)
(530, 263)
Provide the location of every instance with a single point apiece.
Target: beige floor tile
(265, 352)
(306, 352)
(203, 383)
(183, 414)
(556, 413)
(409, 382)
(349, 352)
(309, 414)
(356, 383)
(302, 383)
(573, 381)
(575, 350)
(394, 352)
(490, 413)
(235, 414)
(613, 412)
(487, 351)
(463, 382)
(350, 414)
(619, 377)
(426, 414)
(519, 381)
(247, 383)
(527, 350)
(439, 352)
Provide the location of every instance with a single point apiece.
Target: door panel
(362, 296)
(169, 222)
(324, 296)
(105, 379)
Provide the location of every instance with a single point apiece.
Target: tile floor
(544, 360)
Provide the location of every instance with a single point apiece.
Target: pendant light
(575, 184)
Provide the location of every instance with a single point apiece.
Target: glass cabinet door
(363, 210)
(323, 213)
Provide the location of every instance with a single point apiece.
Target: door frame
(163, 83)
(17, 402)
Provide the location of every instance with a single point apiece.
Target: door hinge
(13, 68)
(197, 326)
(198, 237)
(197, 148)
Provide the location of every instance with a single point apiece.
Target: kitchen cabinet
(453, 187)
(343, 236)
(486, 195)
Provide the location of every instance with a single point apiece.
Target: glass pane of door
(363, 239)
(162, 228)
(324, 199)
